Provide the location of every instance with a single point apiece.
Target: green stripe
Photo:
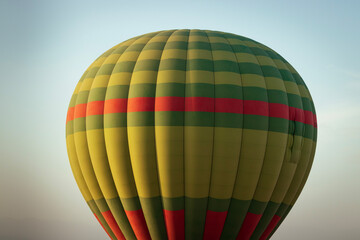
(203, 119)
(173, 204)
(131, 204)
(218, 205)
(192, 65)
(82, 97)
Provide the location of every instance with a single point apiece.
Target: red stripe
(254, 107)
(270, 227)
(70, 114)
(141, 104)
(175, 224)
(95, 108)
(229, 105)
(103, 226)
(109, 218)
(80, 110)
(194, 104)
(279, 110)
(138, 224)
(248, 226)
(214, 224)
(170, 104)
(199, 104)
(117, 105)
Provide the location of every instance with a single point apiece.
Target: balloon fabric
(191, 134)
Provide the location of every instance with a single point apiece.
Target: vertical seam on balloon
(119, 197)
(157, 164)
(309, 164)
(90, 160)
(125, 224)
(289, 126)
(242, 127)
(151, 37)
(268, 127)
(214, 126)
(186, 66)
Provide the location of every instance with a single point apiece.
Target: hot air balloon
(191, 134)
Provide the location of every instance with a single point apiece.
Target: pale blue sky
(45, 46)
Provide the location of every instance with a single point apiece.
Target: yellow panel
(199, 54)
(150, 54)
(218, 40)
(246, 57)
(100, 162)
(227, 143)
(86, 84)
(234, 41)
(300, 171)
(265, 61)
(174, 53)
(198, 142)
(196, 76)
(86, 165)
(273, 83)
(228, 78)
(274, 157)
(144, 77)
(119, 161)
(143, 160)
(170, 158)
(112, 59)
(197, 38)
(292, 87)
(171, 76)
(224, 55)
(159, 39)
(129, 56)
(286, 175)
(252, 80)
(101, 81)
(175, 38)
(251, 159)
(76, 168)
(250, 44)
(122, 78)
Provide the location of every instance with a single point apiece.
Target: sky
(45, 46)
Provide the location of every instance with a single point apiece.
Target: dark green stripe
(131, 204)
(202, 119)
(102, 205)
(97, 94)
(173, 204)
(218, 205)
(117, 91)
(192, 65)
(82, 97)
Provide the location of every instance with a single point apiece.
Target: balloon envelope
(191, 134)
